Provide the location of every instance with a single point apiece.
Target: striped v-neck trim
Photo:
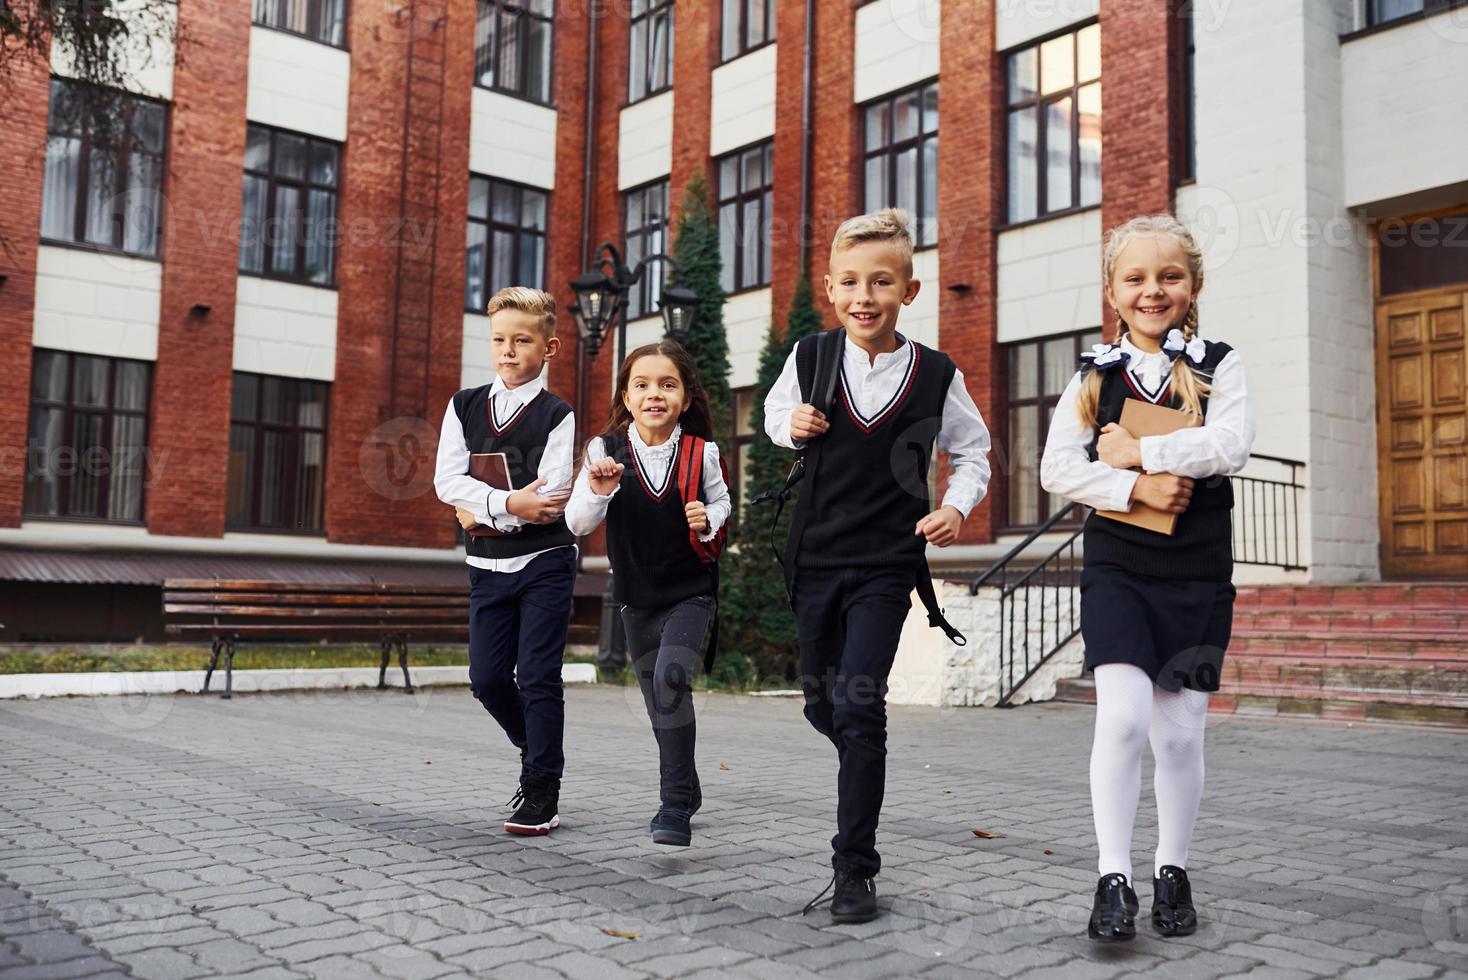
(499, 428)
(642, 477)
(893, 403)
(1142, 393)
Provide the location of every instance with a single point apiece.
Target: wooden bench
(226, 610)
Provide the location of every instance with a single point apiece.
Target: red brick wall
(1141, 80)
(189, 428)
(789, 234)
(970, 199)
(835, 176)
(695, 56)
(379, 486)
(22, 165)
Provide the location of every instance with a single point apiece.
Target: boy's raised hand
(941, 526)
(529, 505)
(698, 518)
(807, 423)
(604, 475)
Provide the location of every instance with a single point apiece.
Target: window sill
(100, 249)
(747, 51)
(280, 531)
(1396, 22)
(290, 279)
(516, 96)
(55, 519)
(1051, 216)
(650, 95)
(305, 37)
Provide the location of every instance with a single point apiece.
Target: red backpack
(690, 487)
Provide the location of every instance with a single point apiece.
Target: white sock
(1123, 717)
(1178, 722)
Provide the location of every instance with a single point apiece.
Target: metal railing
(1039, 605)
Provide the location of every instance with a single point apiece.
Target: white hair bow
(1103, 356)
(1175, 345)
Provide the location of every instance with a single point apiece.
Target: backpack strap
(929, 596)
(690, 485)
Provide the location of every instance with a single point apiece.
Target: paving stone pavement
(357, 835)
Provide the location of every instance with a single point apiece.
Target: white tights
(1129, 711)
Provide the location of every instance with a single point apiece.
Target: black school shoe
(1114, 912)
(671, 827)
(537, 802)
(853, 900)
(1172, 903)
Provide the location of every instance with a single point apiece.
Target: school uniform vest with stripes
(653, 566)
(869, 487)
(522, 438)
(1200, 548)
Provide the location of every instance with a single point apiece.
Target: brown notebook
(494, 469)
(1145, 419)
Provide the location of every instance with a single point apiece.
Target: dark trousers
(849, 622)
(517, 643)
(664, 645)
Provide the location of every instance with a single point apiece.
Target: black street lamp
(602, 293)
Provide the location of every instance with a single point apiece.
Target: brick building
(230, 354)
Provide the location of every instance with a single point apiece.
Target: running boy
(522, 570)
(864, 518)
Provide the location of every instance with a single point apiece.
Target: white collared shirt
(454, 485)
(587, 508)
(872, 383)
(1219, 447)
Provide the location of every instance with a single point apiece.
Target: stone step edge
(1078, 691)
(111, 683)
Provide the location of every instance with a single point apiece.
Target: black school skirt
(1175, 630)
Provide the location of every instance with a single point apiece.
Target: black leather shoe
(1172, 903)
(670, 827)
(854, 898)
(536, 805)
(1114, 911)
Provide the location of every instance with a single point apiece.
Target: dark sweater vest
(653, 564)
(522, 440)
(869, 484)
(1201, 546)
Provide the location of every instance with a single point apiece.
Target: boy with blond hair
(521, 555)
(858, 539)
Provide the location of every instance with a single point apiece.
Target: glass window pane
(879, 121)
(1088, 53)
(907, 188)
(58, 200)
(310, 481)
(1023, 362)
(1089, 104)
(125, 469)
(731, 33)
(130, 386)
(1386, 10)
(86, 481)
(728, 177)
(501, 262)
(750, 235)
(252, 224)
(504, 208)
(141, 216)
(930, 109)
(929, 230)
(484, 44)
(906, 116)
(876, 182)
(285, 229)
(147, 127)
(637, 60)
(1057, 155)
(290, 156)
(508, 55)
(48, 375)
(272, 468)
(538, 55)
(478, 197)
(475, 263)
(324, 164)
(754, 170)
(634, 208)
(89, 381)
(1024, 504)
(257, 149)
(101, 223)
(1060, 364)
(241, 477)
(1024, 75)
(43, 463)
(311, 405)
(274, 393)
(320, 236)
(532, 260)
(1057, 64)
(532, 210)
(765, 238)
(244, 395)
(662, 47)
(728, 232)
(1023, 166)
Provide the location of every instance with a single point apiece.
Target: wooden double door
(1422, 434)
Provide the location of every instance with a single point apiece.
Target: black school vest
(653, 565)
(1201, 547)
(522, 439)
(869, 485)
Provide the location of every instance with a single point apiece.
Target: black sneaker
(1173, 913)
(1114, 911)
(670, 827)
(536, 804)
(853, 900)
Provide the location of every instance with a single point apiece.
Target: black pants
(849, 622)
(664, 645)
(517, 643)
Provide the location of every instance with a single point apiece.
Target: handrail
(1033, 536)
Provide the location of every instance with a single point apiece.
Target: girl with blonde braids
(1156, 609)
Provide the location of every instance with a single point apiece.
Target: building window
(744, 216)
(1039, 370)
(741, 438)
(104, 169)
(1054, 98)
(506, 239)
(902, 157)
(512, 47)
(646, 210)
(650, 57)
(320, 20)
(748, 24)
(277, 454)
(1190, 94)
(85, 457)
(288, 227)
(1385, 11)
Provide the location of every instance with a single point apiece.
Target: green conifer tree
(696, 247)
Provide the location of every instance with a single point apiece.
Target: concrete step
(1365, 596)
(1394, 620)
(1429, 648)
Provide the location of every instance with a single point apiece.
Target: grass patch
(62, 659)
